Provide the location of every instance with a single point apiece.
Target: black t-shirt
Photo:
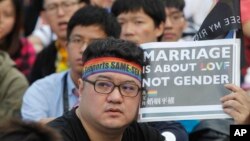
(72, 130)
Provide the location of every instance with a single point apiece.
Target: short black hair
(17, 130)
(93, 15)
(178, 4)
(153, 8)
(111, 47)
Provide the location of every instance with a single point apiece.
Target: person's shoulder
(48, 84)
(53, 79)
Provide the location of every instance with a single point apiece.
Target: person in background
(13, 84)
(109, 96)
(17, 130)
(142, 21)
(11, 40)
(37, 29)
(55, 94)
(54, 57)
(175, 23)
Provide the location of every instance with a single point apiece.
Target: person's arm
(237, 104)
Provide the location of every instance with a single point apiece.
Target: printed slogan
(222, 53)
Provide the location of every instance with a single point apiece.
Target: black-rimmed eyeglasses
(126, 89)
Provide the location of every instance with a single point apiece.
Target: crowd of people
(47, 90)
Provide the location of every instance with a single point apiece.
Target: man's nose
(115, 96)
(60, 11)
(128, 29)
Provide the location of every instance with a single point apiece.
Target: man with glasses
(54, 57)
(110, 95)
(53, 95)
(175, 22)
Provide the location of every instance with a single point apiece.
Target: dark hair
(153, 8)
(11, 42)
(111, 47)
(93, 15)
(17, 130)
(178, 4)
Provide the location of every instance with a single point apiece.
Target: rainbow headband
(111, 64)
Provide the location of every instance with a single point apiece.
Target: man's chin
(115, 125)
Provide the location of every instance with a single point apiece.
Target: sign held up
(185, 80)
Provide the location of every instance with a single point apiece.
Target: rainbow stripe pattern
(111, 64)
(152, 93)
